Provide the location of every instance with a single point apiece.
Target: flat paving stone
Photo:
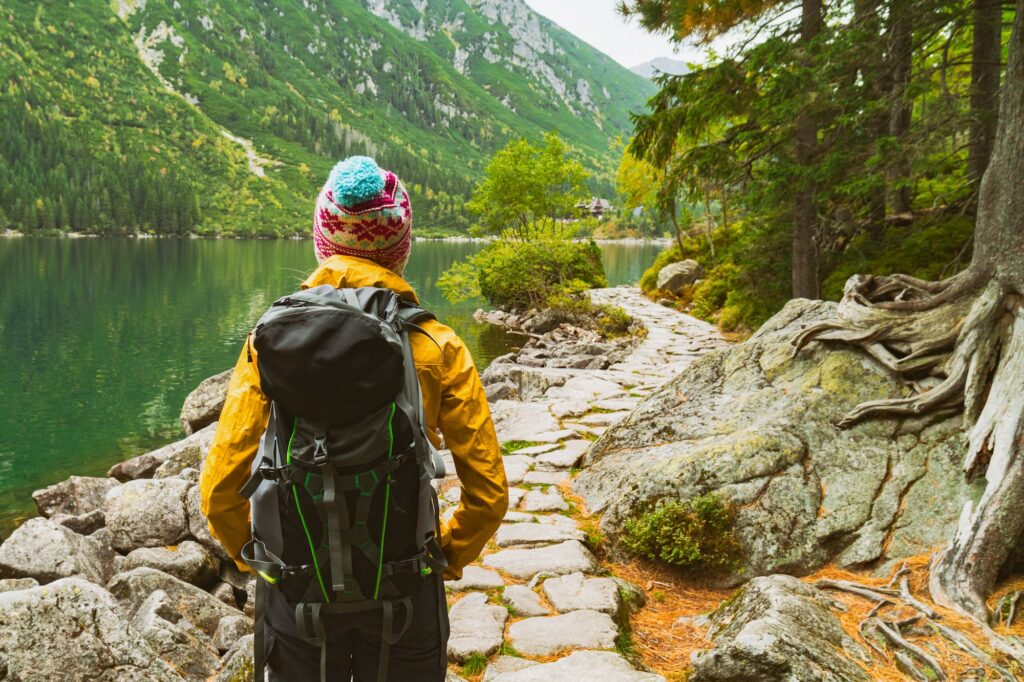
(570, 408)
(603, 418)
(592, 386)
(476, 627)
(547, 635)
(475, 578)
(584, 430)
(515, 497)
(576, 447)
(593, 666)
(516, 467)
(534, 450)
(565, 458)
(561, 559)
(538, 501)
(511, 534)
(525, 601)
(514, 420)
(506, 664)
(616, 404)
(557, 520)
(545, 477)
(519, 517)
(575, 592)
(554, 436)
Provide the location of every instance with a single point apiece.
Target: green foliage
(722, 141)
(931, 249)
(524, 275)
(528, 189)
(474, 665)
(509, 650)
(696, 533)
(84, 123)
(510, 446)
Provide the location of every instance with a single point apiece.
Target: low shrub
(696, 533)
(518, 275)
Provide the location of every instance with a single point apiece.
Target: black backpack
(344, 516)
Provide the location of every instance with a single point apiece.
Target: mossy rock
(758, 427)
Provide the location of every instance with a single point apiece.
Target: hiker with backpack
(319, 476)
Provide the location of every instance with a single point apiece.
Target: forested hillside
(223, 117)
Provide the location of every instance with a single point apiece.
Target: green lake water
(102, 339)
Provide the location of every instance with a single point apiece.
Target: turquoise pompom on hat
(363, 211)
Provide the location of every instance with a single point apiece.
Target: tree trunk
(968, 334)
(805, 213)
(868, 24)
(985, 64)
(901, 45)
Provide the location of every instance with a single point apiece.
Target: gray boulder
(675, 276)
(230, 630)
(501, 390)
(524, 383)
(225, 593)
(87, 523)
(547, 320)
(188, 649)
(145, 465)
(758, 427)
(203, 405)
(199, 526)
(778, 629)
(187, 458)
(47, 551)
(73, 630)
(237, 662)
(202, 609)
(147, 513)
(12, 584)
(75, 496)
(188, 561)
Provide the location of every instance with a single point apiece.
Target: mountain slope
(660, 65)
(249, 104)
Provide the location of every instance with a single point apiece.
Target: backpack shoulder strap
(411, 313)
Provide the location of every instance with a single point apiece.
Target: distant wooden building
(594, 208)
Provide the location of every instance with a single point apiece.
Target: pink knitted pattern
(378, 229)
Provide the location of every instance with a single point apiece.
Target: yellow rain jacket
(454, 403)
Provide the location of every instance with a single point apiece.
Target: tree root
(950, 342)
(962, 345)
(881, 633)
(1006, 609)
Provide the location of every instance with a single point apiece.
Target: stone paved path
(536, 592)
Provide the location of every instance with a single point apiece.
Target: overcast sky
(597, 22)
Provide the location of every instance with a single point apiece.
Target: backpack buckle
(320, 448)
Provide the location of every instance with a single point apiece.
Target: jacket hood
(352, 272)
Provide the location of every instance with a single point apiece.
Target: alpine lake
(101, 339)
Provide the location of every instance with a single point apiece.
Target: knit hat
(363, 211)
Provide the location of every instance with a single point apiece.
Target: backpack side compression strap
(259, 645)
